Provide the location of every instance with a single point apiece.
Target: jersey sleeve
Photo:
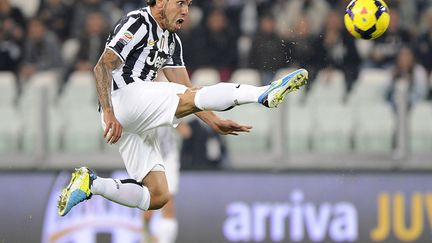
(176, 58)
(129, 33)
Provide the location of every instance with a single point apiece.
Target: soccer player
(132, 106)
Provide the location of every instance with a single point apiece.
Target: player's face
(175, 13)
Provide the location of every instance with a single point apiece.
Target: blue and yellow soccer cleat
(77, 191)
(277, 90)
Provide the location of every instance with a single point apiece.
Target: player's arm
(108, 62)
(177, 75)
(221, 126)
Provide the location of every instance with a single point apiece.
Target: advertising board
(233, 207)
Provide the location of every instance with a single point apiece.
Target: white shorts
(141, 107)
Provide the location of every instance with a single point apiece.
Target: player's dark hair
(151, 2)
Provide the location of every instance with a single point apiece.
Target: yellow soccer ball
(367, 19)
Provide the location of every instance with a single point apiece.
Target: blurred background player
(165, 227)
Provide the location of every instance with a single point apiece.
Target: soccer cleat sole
(67, 195)
(299, 80)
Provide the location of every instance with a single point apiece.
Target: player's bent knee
(186, 104)
(158, 201)
(157, 185)
(164, 200)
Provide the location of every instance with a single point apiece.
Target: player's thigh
(140, 154)
(147, 105)
(157, 184)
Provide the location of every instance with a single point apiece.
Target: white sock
(223, 96)
(166, 230)
(125, 192)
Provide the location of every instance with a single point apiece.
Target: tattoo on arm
(108, 62)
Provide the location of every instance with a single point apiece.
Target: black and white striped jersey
(144, 48)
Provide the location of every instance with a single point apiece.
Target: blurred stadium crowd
(363, 95)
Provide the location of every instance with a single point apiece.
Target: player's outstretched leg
(77, 191)
(277, 90)
(224, 96)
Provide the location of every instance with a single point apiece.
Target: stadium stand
(9, 130)
(29, 8)
(79, 91)
(8, 89)
(370, 87)
(420, 129)
(374, 129)
(205, 76)
(246, 76)
(39, 95)
(299, 127)
(78, 106)
(332, 128)
(328, 88)
(70, 50)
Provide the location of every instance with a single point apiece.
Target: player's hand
(113, 128)
(228, 127)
